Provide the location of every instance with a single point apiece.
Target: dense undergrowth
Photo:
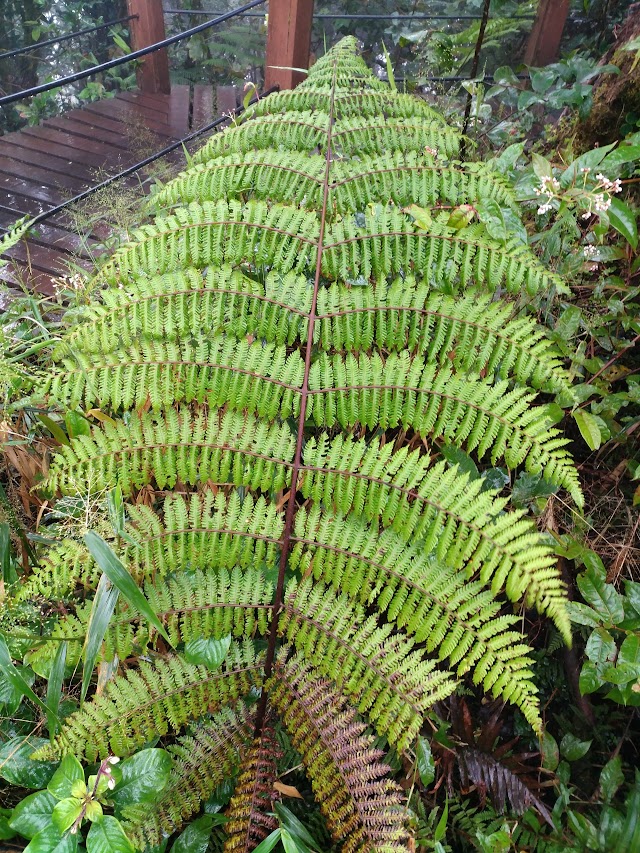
(470, 768)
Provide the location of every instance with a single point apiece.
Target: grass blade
(120, 578)
(101, 612)
(54, 688)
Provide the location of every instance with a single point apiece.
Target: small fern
(282, 355)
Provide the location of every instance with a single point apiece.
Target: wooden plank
(10, 166)
(226, 99)
(102, 152)
(202, 105)
(179, 110)
(86, 131)
(544, 42)
(47, 234)
(148, 28)
(130, 116)
(33, 149)
(288, 42)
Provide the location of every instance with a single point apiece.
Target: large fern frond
(203, 759)
(361, 806)
(153, 700)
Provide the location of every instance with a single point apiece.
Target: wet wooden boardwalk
(42, 166)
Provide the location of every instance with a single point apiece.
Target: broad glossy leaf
(77, 424)
(602, 596)
(33, 813)
(66, 813)
(210, 652)
(590, 679)
(120, 578)
(623, 219)
(62, 781)
(195, 838)
(424, 758)
(601, 647)
(589, 427)
(49, 840)
(143, 776)
(292, 844)
(572, 748)
(611, 777)
(17, 767)
(549, 751)
(107, 836)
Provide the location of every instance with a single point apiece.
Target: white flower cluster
(548, 187)
(608, 186)
(590, 251)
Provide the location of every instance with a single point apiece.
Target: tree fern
(281, 356)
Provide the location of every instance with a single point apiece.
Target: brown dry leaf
(287, 790)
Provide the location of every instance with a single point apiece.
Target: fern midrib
(304, 396)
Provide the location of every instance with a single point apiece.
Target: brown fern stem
(297, 461)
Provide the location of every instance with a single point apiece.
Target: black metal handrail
(121, 60)
(66, 37)
(130, 170)
(321, 16)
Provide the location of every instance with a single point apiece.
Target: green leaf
(549, 751)
(55, 429)
(581, 614)
(424, 758)
(541, 166)
(10, 672)
(33, 813)
(102, 609)
(601, 647)
(195, 838)
(17, 767)
(623, 219)
(590, 678)
(292, 844)
(421, 216)
(66, 813)
(568, 323)
(602, 596)
(572, 748)
(611, 778)
(54, 688)
(120, 578)
(588, 160)
(144, 775)
(630, 652)
(267, 844)
(622, 154)
(8, 572)
(49, 840)
(589, 427)
(77, 424)
(461, 216)
(6, 832)
(455, 456)
(107, 836)
(61, 783)
(441, 828)
(291, 824)
(210, 652)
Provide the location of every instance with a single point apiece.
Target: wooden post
(544, 41)
(148, 28)
(288, 42)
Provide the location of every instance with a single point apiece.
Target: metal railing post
(147, 27)
(288, 42)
